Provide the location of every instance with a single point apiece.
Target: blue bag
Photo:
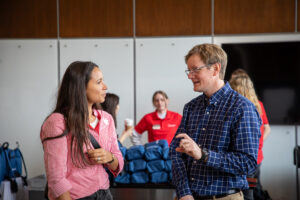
(123, 151)
(137, 165)
(3, 169)
(168, 165)
(11, 165)
(155, 166)
(139, 177)
(159, 177)
(123, 178)
(153, 152)
(164, 151)
(126, 166)
(135, 152)
(170, 176)
(165, 148)
(163, 143)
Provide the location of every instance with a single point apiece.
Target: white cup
(128, 122)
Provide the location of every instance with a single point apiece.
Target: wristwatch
(112, 160)
(205, 154)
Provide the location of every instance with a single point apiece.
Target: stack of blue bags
(149, 163)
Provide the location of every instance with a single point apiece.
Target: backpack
(11, 161)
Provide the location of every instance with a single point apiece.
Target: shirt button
(203, 129)
(192, 179)
(194, 161)
(207, 113)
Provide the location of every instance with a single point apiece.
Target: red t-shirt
(264, 119)
(157, 128)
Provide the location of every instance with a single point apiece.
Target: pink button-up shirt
(62, 175)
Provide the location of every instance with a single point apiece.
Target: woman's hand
(126, 133)
(100, 156)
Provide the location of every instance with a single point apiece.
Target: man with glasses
(216, 144)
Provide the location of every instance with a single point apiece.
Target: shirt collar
(167, 115)
(217, 96)
(96, 114)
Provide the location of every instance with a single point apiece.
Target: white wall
(29, 76)
(28, 83)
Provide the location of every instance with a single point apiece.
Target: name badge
(171, 125)
(156, 127)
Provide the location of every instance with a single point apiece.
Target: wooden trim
(173, 17)
(254, 16)
(28, 19)
(96, 18)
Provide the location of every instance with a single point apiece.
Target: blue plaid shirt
(228, 125)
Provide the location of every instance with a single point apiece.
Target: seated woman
(111, 105)
(160, 124)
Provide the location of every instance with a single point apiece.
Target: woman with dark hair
(111, 105)
(160, 124)
(74, 169)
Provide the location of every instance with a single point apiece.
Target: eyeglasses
(195, 70)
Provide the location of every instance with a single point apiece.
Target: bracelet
(112, 160)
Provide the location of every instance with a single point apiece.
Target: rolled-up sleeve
(55, 155)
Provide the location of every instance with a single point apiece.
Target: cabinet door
(28, 85)
(115, 59)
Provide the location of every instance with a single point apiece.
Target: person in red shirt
(160, 124)
(241, 82)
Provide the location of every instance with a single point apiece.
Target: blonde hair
(210, 54)
(239, 72)
(243, 85)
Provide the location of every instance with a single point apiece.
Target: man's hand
(187, 197)
(188, 145)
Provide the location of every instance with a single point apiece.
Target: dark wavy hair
(110, 105)
(73, 105)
